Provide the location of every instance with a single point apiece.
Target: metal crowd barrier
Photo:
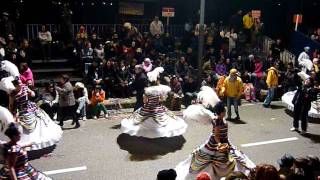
(285, 56)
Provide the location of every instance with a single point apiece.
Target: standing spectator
(97, 102)
(236, 20)
(66, 101)
(87, 56)
(276, 49)
(82, 99)
(156, 27)
(45, 39)
(26, 75)
(302, 104)
(138, 85)
(7, 26)
(123, 77)
(248, 25)
(232, 36)
(176, 94)
(272, 82)
(109, 76)
(233, 89)
(304, 60)
(81, 37)
(24, 53)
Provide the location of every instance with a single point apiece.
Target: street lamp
(201, 36)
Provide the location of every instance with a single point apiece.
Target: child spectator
(97, 105)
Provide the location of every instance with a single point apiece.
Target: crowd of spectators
(290, 168)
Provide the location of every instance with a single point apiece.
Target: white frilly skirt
(169, 126)
(288, 97)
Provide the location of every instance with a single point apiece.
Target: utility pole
(201, 36)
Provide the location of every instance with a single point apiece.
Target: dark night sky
(277, 14)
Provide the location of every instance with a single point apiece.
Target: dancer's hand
(223, 147)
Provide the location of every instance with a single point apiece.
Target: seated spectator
(207, 68)
(109, 77)
(190, 89)
(95, 74)
(87, 56)
(49, 100)
(306, 167)
(97, 102)
(147, 65)
(291, 80)
(210, 80)
(203, 176)
(258, 70)
(286, 166)
(26, 75)
(228, 64)
(176, 94)
(182, 68)
(238, 65)
(249, 64)
(191, 58)
(266, 172)
(123, 78)
(99, 53)
(221, 69)
(248, 88)
(81, 95)
(237, 175)
(169, 174)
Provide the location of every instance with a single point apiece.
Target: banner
(129, 8)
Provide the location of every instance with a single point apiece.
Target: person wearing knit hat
(232, 89)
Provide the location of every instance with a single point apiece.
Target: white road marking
(60, 171)
(269, 142)
(249, 104)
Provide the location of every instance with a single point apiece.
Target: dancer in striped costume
(16, 165)
(38, 128)
(154, 120)
(217, 156)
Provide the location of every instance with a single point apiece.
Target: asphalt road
(107, 154)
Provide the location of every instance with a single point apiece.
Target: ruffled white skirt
(314, 110)
(198, 113)
(46, 133)
(169, 126)
(183, 167)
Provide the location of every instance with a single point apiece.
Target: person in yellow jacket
(232, 89)
(248, 24)
(248, 21)
(272, 82)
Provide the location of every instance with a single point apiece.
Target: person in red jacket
(97, 97)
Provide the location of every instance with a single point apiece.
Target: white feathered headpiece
(6, 82)
(207, 96)
(154, 75)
